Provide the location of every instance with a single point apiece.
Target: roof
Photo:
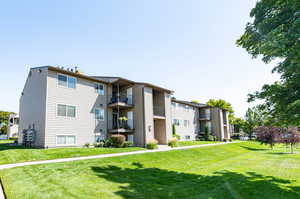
(199, 105)
(110, 79)
(102, 79)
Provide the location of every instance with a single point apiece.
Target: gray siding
(33, 104)
(84, 97)
(192, 115)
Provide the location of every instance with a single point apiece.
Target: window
(99, 89)
(71, 82)
(187, 137)
(66, 81)
(66, 111)
(174, 104)
(99, 114)
(176, 122)
(71, 111)
(61, 110)
(62, 80)
(186, 123)
(65, 140)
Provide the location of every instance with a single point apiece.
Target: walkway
(8, 166)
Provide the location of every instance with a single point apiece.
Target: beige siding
(192, 115)
(138, 116)
(168, 120)
(83, 126)
(148, 114)
(33, 104)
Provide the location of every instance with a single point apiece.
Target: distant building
(13, 125)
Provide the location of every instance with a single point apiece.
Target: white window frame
(185, 137)
(97, 90)
(56, 111)
(100, 109)
(186, 123)
(68, 77)
(66, 140)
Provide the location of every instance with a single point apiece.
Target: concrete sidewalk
(8, 166)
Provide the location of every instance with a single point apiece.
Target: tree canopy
(224, 105)
(274, 34)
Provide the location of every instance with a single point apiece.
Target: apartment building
(191, 119)
(67, 108)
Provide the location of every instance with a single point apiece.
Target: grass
(190, 143)
(237, 171)
(14, 154)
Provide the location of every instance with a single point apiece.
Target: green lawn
(234, 171)
(190, 143)
(14, 154)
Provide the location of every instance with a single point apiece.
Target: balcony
(159, 112)
(205, 116)
(121, 126)
(121, 101)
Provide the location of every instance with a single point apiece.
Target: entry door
(130, 119)
(129, 95)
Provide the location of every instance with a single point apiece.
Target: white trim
(99, 108)
(66, 140)
(96, 90)
(58, 116)
(68, 76)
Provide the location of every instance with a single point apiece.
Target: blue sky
(187, 46)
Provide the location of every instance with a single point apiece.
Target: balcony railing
(205, 116)
(159, 111)
(123, 98)
(122, 124)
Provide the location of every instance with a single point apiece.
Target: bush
(210, 138)
(87, 145)
(107, 143)
(230, 140)
(152, 144)
(117, 140)
(99, 144)
(224, 140)
(173, 142)
(177, 137)
(127, 144)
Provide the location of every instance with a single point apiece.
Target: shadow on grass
(9, 146)
(254, 149)
(149, 183)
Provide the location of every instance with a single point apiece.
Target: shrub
(87, 145)
(117, 140)
(210, 138)
(176, 136)
(224, 140)
(173, 142)
(152, 144)
(127, 144)
(107, 143)
(215, 138)
(230, 140)
(99, 144)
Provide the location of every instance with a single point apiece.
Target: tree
(195, 101)
(268, 135)
(291, 137)
(4, 121)
(253, 119)
(238, 124)
(274, 35)
(224, 105)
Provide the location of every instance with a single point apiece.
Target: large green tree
(3, 121)
(224, 105)
(274, 34)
